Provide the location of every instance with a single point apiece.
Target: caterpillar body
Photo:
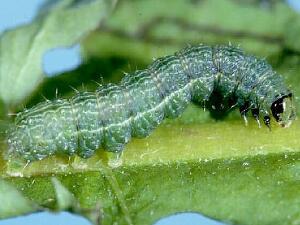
(111, 115)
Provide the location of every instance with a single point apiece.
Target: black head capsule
(283, 110)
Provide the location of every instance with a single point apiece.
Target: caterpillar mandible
(111, 115)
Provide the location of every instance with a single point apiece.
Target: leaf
(21, 49)
(264, 31)
(202, 167)
(292, 34)
(9, 207)
(222, 169)
(65, 199)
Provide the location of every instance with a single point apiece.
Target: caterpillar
(109, 117)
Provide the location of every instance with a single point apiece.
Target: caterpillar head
(283, 110)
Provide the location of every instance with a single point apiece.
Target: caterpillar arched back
(112, 115)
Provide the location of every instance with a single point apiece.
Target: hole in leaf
(44, 218)
(59, 60)
(187, 219)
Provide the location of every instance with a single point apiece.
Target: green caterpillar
(112, 115)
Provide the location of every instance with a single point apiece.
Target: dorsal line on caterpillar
(113, 114)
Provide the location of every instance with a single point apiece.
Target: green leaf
(213, 168)
(9, 206)
(222, 169)
(21, 49)
(65, 199)
(292, 34)
(158, 31)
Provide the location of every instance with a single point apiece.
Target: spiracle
(109, 117)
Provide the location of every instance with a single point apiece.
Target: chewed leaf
(21, 49)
